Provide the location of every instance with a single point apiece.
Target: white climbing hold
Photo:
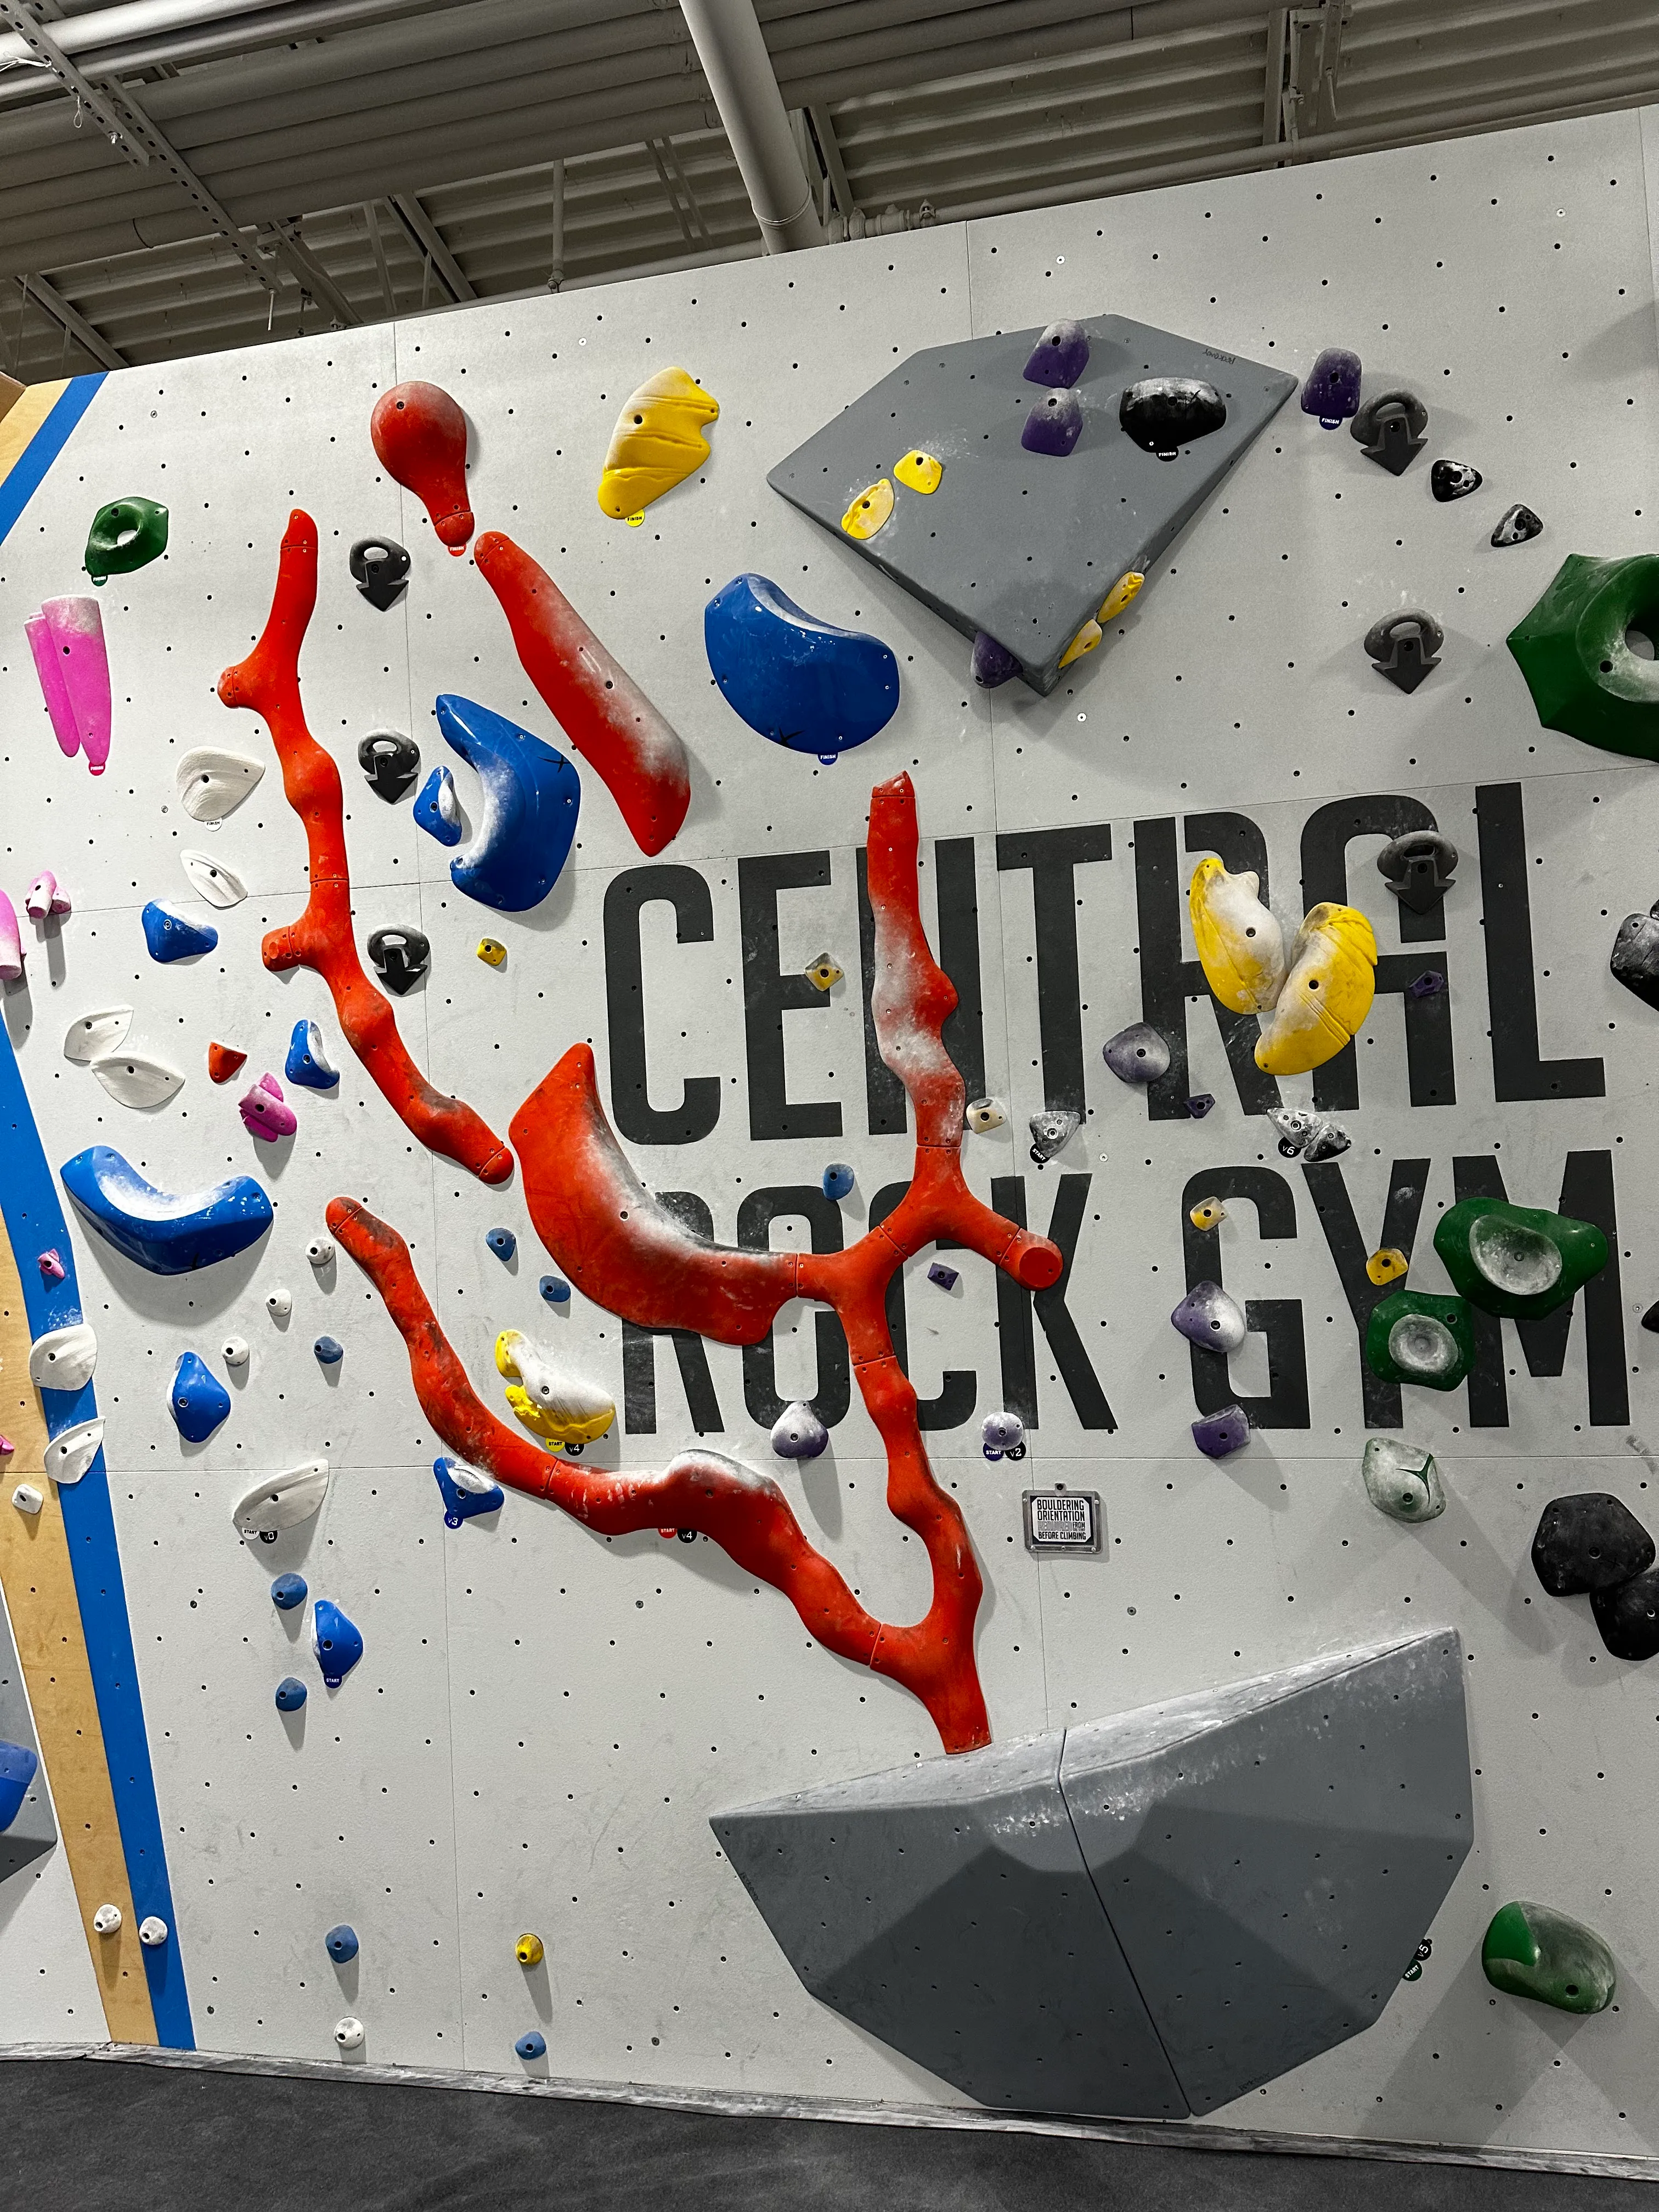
(349, 2033)
(279, 1302)
(218, 884)
(235, 1352)
(63, 1358)
(152, 1931)
(95, 1035)
(132, 1078)
(282, 1501)
(71, 1452)
(106, 1919)
(26, 1498)
(212, 784)
(320, 1252)
(548, 1398)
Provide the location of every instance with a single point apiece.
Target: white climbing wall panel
(544, 1721)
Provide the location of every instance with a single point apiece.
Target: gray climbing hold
(1139, 1054)
(1627, 1616)
(1306, 1133)
(1390, 428)
(1405, 646)
(1151, 1914)
(1417, 868)
(797, 1433)
(1588, 1540)
(1002, 1436)
(1635, 961)
(1450, 480)
(1515, 525)
(1208, 1315)
(1052, 1131)
(1400, 1480)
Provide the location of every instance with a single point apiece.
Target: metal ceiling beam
(137, 18)
(730, 46)
(89, 340)
(829, 146)
(309, 274)
(427, 236)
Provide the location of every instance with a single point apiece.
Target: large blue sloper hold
(169, 1235)
(336, 1640)
(532, 798)
(198, 1401)
(800, 682)
(173, 936)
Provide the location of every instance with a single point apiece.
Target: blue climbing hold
(287, 1591)
(531, 797)
(336, 1641)
(554, 1290)
(198, 1402)
(533, 2045)
(946, 1278)
(502, 1242)
(329, 1351)
(465, 1491)
(800, 682)
(342, 1944)
(837, 1180)
(17, 1767)
(306, 1062)
(437, 809)
(290, 1694)
(170, 1236)
(171, 936)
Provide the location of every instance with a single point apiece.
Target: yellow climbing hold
(1085, 641)
(869, 510)
(1239, 946)
(657, 443)
(823, 973)
(1326, 994)
(492, 952)
(528, 1951)
(1208, 1213)
(560, 1407)
(1120, 595)
(920, 471)
(1387, 1266)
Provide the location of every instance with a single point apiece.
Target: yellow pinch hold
(657, 443)
(1326, 994)
(1127, 584)
(1387, 1266)
(1085, 641)
(1241, 947)
(920, 471)
(528, 1951)
(869, 510)
(492, 952)
(1208, 1213)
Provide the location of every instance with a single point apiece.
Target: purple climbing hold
(1332, 389)
(992, 664)
(1060, 356)
(1139, 1054)
(1200, 1104)
(1054, 425)
(946, 1277)
(1209, 1317)
(1429, 985)
(797, 1433)
(1218, 1435)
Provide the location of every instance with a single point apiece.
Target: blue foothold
(197, 1400)
(533, 2045)
(329, 1351)
(437, 809)
(167, 1235)
(287, 1591)
(465, 1491)
(946, 1277)
(502, 1242)
(532, 798)
(17, 1767)
(290, 1694)
(342, 1944)
(171, 936)
(554, 1290)
(800, 682)
(306, 1062)
(336, 1641)
(837, 1179)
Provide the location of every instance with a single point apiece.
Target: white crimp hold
(106, 1919)
(152, 1932)
(212, 784)
(26, 1498)
(235, 1351)
(135, 1079)
(279, 1302)
(94, 1035)
(218, 884)
(320, 1251)
(69, 1453)
(63, 1358)
(282, 1501)
(349, 2033)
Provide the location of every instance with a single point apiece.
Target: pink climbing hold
(53, 689)
(44, 897)
(264, 1111)
(11, 942)
(76, 626)
(52, 1269)
(6, 1447)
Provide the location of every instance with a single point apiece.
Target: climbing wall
(545, 1718)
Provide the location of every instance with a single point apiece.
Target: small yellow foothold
(1085, 641)
(823, 972)
(920, 471)
(1387, 1266)
(657, 443)
(491, 951)
(528, 1951)
(1208, 1213)
(869, 510)
(1120, 594)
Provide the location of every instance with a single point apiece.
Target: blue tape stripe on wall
(25, 476)
(35, 1220)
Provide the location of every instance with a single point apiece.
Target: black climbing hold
(390, 762)
(1200, 1103)
(1589, 1542)
(992, 664)
(1515, 525)
(1651, 1318)
(1418, 867)
(380, 569)
(1060, 356)
(1450, 480)
(1163, 414)
(1405, 646)
(1628, 1616)
(1053, 424)
(400, 957)
(1635, 961)
(1391, 429)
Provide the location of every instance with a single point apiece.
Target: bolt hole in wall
(690, 883)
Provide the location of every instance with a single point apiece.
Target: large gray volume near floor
(1154, 1912)
(79, 2136)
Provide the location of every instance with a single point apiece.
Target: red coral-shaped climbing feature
(636, 1259)
(268, 681)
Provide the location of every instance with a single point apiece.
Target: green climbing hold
(127, 534)
(1415, 1337)
(1531, 1951)
(1518, 1260)
(1583, 677)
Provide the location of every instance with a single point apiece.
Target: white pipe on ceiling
(735, 61)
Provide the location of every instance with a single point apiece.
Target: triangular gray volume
(1026, 546)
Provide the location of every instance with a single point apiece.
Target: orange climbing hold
(223, 1061)
(419, 434)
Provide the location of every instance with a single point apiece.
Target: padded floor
(90, 2136)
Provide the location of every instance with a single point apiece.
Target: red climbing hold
(223, 1061)
(419, 434)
